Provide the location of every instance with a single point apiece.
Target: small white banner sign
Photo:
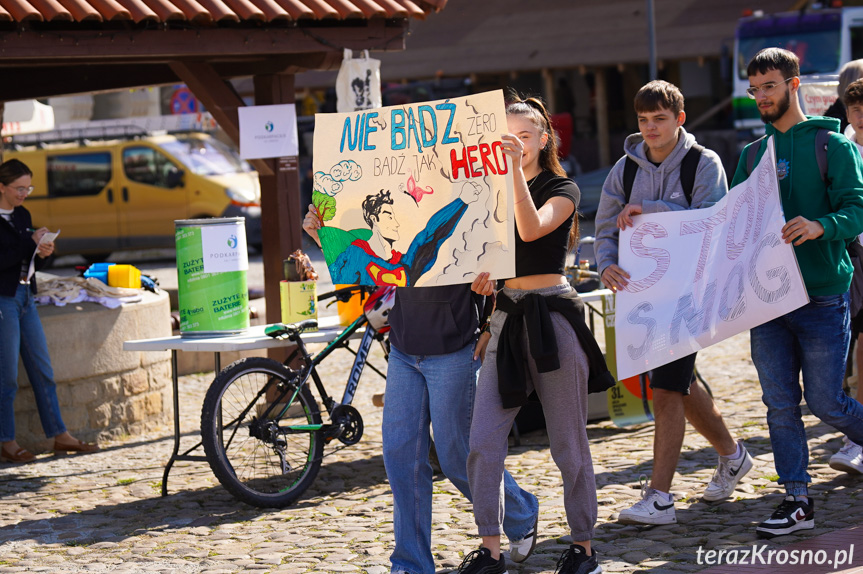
(224, 249)
(699, 277)
(268, 131)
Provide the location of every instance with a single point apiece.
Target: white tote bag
(358, 85)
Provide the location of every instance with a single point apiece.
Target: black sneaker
(481, 562)
(792, 515)
(575, 560)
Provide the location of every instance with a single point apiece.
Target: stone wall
(104, 391)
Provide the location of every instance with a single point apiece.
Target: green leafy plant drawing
(325, 205)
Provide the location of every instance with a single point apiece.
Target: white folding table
(254, 338)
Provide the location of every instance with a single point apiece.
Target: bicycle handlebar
(345, 293)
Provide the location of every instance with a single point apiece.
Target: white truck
(823, 38)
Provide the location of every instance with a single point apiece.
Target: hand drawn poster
(415, 195)
(698, 277)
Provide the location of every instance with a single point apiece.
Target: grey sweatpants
(563, 394)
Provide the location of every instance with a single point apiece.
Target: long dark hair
(535, 111)
(13, 169)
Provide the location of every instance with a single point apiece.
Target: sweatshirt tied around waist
(533, 311)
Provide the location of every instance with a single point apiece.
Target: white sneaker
(520, 550)
(653, 508)
(728, 474)
(849, 458)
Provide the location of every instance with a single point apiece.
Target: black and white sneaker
(520, 550)
(653, 508)
(481, 562)
(575, 560)
(792, 515)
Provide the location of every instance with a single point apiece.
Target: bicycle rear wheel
(264, 458)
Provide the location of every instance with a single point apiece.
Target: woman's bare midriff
(529, 282)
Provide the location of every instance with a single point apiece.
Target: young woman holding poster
(20, 328)
(561, 362)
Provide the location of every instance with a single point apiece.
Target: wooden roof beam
(220, 99)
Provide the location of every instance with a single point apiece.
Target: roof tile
(139, 11)
(163, 9)
(393, 8)
(21, 10)
(110, 10)
(271, 10)
(346, 9)
(193, 10)
(296, 9)
(413, 10)
(370, 8)
(81, 10)
(321, 9)
(246, 10)
(51, 10)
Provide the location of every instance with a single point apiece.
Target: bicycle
(261, 427)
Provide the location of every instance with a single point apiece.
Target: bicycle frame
(309, 370)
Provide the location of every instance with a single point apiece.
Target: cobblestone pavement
(104, 512)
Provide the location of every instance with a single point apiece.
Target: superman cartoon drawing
(367, 257)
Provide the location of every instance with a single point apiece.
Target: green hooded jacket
(837, 204)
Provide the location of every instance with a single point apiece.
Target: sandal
(21, 455)
(78, 446)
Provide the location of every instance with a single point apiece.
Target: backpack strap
(752, 153)
(688, 167)
(629, 170)
(822, 136)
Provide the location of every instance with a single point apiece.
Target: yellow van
(122, 194)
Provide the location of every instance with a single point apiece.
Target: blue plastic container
(98, 271)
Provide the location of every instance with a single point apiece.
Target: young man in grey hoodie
(658, 153)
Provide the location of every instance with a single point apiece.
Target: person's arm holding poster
(311, 224)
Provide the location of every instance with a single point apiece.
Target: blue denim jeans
(21, 332)
(812, 339)
(436, 390)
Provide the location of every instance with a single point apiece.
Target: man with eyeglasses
(823, 214)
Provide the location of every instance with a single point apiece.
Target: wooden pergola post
(280, 198)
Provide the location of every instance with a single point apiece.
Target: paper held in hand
(48, 237)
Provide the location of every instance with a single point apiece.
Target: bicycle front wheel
(262, 438)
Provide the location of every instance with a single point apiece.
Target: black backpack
(688, 167)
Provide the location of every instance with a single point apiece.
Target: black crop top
(548, 253)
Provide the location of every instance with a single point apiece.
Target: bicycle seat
(291, 331)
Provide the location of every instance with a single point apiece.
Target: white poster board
(268, 131)
(415, 195)
(701, 276)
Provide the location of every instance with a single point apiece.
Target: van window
(146, 165)
(79, 174)
(206, 156)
